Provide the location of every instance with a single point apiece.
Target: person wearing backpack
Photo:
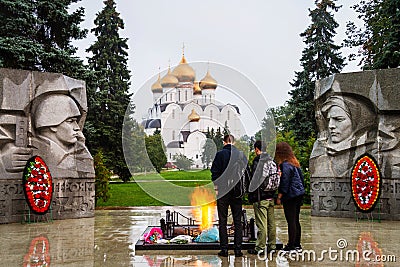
(227, 170)
(290, 194)
(263, 200)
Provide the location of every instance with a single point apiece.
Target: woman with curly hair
(290, 193)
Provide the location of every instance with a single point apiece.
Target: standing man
(263, 205)
(226, 180)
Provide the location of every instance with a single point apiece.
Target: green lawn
(176, 175)
(133, 194)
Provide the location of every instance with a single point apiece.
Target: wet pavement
(109, 239)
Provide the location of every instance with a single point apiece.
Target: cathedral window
(229, 115)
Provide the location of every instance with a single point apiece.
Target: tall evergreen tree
(156, 151)
(320, 58)
(37, 35)
(110, 97)
(378, 41)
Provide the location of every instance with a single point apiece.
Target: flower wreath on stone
(38, 185)
(365, 183)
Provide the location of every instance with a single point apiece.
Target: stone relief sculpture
(349, 129)
(43, 114)
(58, 136)
(356, 113)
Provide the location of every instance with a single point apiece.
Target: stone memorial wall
(42, 114)
(357, 113)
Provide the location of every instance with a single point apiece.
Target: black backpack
(239, 175)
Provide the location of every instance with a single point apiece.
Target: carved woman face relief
(339, 124)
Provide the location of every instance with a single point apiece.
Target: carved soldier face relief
(67, 132)
(339, 124)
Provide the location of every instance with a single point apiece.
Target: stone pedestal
(332, 197)
(72, 198)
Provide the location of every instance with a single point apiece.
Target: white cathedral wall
(194, 148)
(174, 120)
(212, 113)
(188, 109)
(235, 125)
(170, 123)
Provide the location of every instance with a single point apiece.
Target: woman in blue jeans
(290, 193)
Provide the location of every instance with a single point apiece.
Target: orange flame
(204, 211)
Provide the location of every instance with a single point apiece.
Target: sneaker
(256, 252)
(238, 253)
(223, 253)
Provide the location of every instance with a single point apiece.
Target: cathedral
(185, 108)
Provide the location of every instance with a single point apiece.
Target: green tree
(110, 96)
(218, 139)
(242, 145)
(267, 133)
(155, 151)
(282, 115)
(209, 151)
(226, 130)
(377, 42)
(302, 152)
(183, 162)
(103, 176)
(320, 58)
(134, 146)
(37, 35)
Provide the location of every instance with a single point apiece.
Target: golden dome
(208, 82)
(156, 87)
(193, 117)
(184, 72)
(196, 89)
(169, 80)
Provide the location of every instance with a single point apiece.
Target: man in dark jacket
(225, 179)
(263, 205)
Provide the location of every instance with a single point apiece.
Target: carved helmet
(54, 109)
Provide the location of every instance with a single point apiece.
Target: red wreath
(366, 243)
(365, 183)
(38, 185)
(39, 253)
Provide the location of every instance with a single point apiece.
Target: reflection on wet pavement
(109, 240)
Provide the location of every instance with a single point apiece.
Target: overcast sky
(258, 38)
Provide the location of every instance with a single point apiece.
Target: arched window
(173, 114)
(229, 115)
(173, 134)
(211, 114)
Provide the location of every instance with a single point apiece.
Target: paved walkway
(109, 240)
